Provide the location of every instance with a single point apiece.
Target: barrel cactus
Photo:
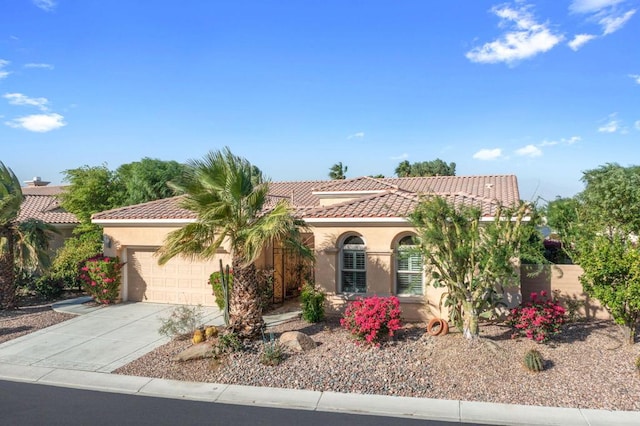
(198, 337)
(533, 361)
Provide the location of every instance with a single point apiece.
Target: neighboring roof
(381, 198)
(40, 202)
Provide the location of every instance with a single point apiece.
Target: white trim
(142, 221)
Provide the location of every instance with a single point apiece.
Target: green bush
(48, 287)
(68, 259)
(272, 351)
(312, 303)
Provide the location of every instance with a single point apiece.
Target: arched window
(409, 268)
(353, 273)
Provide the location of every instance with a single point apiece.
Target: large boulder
(199, 351)
(297, 341)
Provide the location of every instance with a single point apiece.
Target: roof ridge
(131, 206)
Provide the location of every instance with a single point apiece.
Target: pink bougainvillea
(538, 319)
(373, 318)
(101, 276)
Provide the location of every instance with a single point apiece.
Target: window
(353, 273)
(409, 268)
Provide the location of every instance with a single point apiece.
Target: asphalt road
(28, 404)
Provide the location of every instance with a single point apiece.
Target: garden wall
(563, 281)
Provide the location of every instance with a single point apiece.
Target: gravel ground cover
(587, 366)
(25, 320)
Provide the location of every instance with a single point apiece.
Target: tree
(229, 200)
(338, 171)
(473, 261)
(32, 238)
(147, 179)
(90, 190)
(10, 201)
(435, 167)
(603, 239)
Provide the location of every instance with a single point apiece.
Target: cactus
(198, 337)
(224, 277)
(210, 332)
(533, 361)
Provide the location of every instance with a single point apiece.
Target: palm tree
(338, 171)
(229, 196)
(10, 201)
(31, 245)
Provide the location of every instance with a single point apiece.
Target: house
(358, 229)
(40, 201)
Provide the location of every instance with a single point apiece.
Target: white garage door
(178, 281)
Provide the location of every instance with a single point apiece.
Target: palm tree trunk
(245, 311)
(7, 271)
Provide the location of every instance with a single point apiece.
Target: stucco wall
(562, 279)
(380, 242)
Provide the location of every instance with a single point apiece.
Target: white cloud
(400, 157)
(590, 6)
(3, 64)
(637, 124)
(44, 66)
(636, 77)
(488, 154)
(40, 123)
(606, 13)
(611, 126)
(564, 141)
(525, 39)
(358, 135)
(611, 23)
(20, 99)
(580, 40)
(46, 5)
(529, 151)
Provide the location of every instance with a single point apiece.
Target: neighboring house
(358, 229)
(40, 201)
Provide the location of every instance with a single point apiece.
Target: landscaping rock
(297, 341)
(199, 351)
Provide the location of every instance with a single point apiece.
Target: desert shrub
(312, 299)
(538, 319)
(68, 259)
(101, 277)
(373, 318)
(273, 352)
(183, 321)
(48, 287)
(228, 342)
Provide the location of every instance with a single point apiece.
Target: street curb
(377, 405)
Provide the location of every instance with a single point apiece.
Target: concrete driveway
(99, 339)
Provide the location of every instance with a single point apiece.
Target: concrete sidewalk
(80, 353)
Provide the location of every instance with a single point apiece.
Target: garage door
(178, 281)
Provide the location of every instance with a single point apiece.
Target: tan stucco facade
(381, 241)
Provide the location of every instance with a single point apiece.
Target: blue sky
(540, 89)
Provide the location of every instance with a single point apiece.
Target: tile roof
(395, 197)
(40, 202)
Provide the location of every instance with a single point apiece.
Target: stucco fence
(561, 281)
